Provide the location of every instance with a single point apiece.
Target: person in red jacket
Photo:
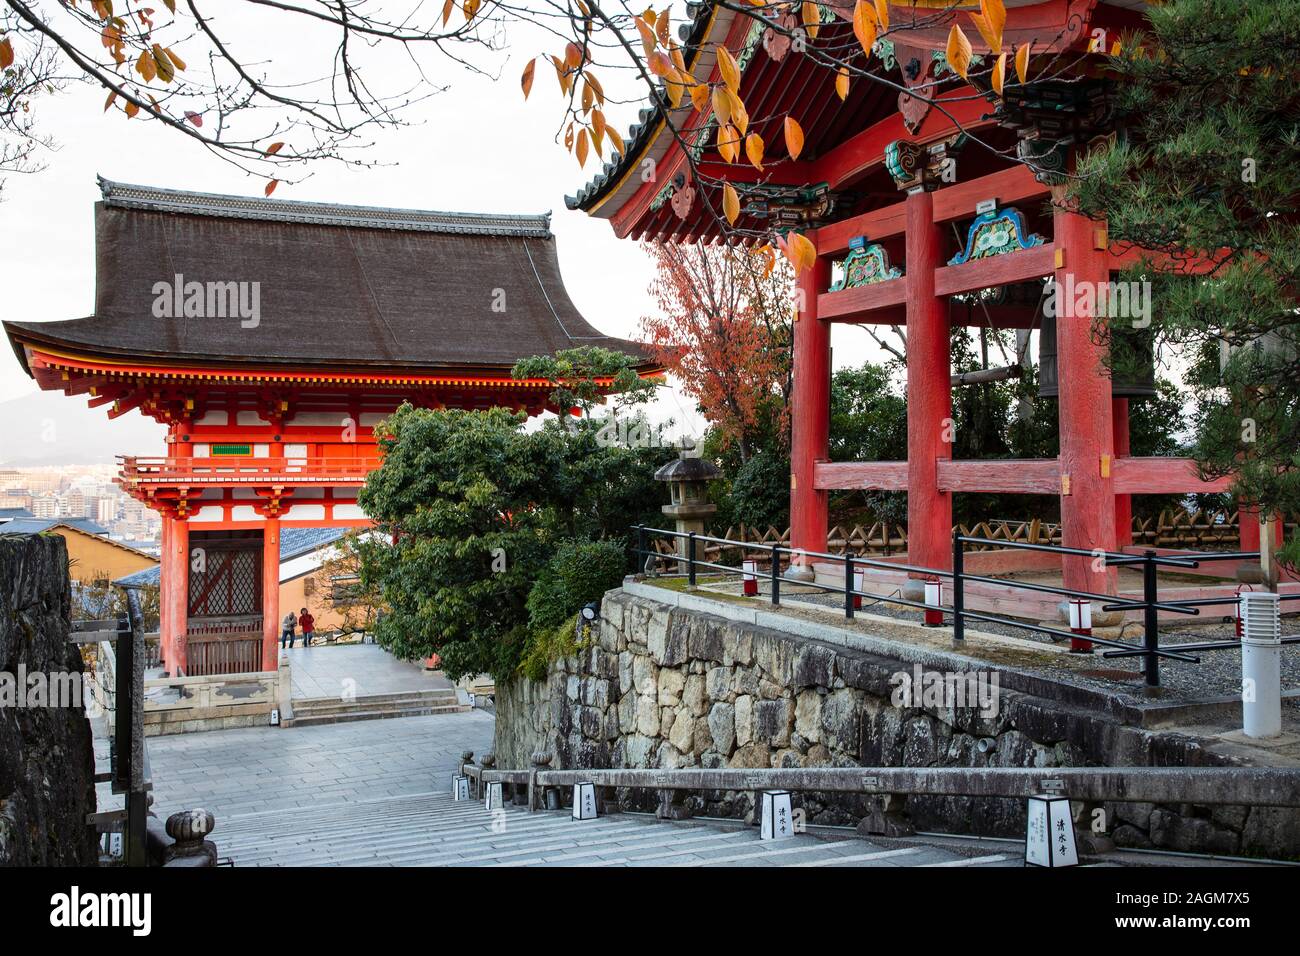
(308, 625)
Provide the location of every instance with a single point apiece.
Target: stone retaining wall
(665, 687)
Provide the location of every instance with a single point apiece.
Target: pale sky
(477, 147)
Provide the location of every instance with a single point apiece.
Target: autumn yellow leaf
(270, 187)
(470, 8)
(572, 56)
(754, 150)
(864, 25)
(526, 81)
(659, 63)
(144, 65)
(801, 252)
(728, 69)
(663, 27)
(595, 85)
(6, 53)
(984, 28)
(648, 38)
(674, 88)
(700, 96)
(769, 258)
(131, 109)
(729, 143)
(583, 145)
(274, 148)
(446, 11)
(109, 102)
(730, 203)
(882, 13)
(1022, 62)
(793, 137)
(166, 72)
(999, 73)
(958, 51)
(842, 83)
(176, 60)
(721, 106)
(812, 19)
(739, 115)
(995, 15)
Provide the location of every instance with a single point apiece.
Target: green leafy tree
(1209, 165)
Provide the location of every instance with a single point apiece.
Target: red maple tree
(723, 329)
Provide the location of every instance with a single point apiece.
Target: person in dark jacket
(308, 625)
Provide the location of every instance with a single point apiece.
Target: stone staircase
(416, 703)
(430, 829)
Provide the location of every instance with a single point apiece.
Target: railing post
(1150, 618)
(848, 581)
(690, 558)
(776, 574)
(638, 564)
(958, 588)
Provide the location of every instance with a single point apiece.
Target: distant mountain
(50, 428)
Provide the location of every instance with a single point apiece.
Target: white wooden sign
(495, 799)
(460, 787)
(584, 801)
(275, 716)
(1049, 837)
(776, 815)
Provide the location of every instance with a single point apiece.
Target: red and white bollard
(1236, 610)
(859, 584)
(933, 603)
(750, 577)
(1081, 624)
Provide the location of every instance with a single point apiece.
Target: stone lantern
(688, 478)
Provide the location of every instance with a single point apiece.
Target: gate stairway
(415, 703)
(430, 829)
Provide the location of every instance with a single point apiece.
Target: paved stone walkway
(377, 793)
(259, 769)
(360, 670)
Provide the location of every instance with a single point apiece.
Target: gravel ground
(1217, 675)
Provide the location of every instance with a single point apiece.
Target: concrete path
(268, 769)
(355, 670)
(377, 793)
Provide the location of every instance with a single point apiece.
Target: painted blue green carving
(866, 264)
(942, 66)
(994, 234)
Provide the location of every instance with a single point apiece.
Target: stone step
(326, 704)
(346, 716)
(431, 829)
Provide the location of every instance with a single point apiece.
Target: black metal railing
(1150, 561)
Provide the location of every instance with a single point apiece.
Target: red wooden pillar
(810, 411)
(1123, 503)
(1087, 443)
(174, 592)
(166, 632)
(271, 594)
(929, 393)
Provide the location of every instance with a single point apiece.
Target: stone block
(671, 684)
(772, 719)
(751, 756)
(745, 723)
(693, 695)
(814, 666)
(722, 727)
(808, 715)
(682, 733)
(717, 683)
(645, 676)
(647, 716)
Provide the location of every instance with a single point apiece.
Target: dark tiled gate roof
(339, 286)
